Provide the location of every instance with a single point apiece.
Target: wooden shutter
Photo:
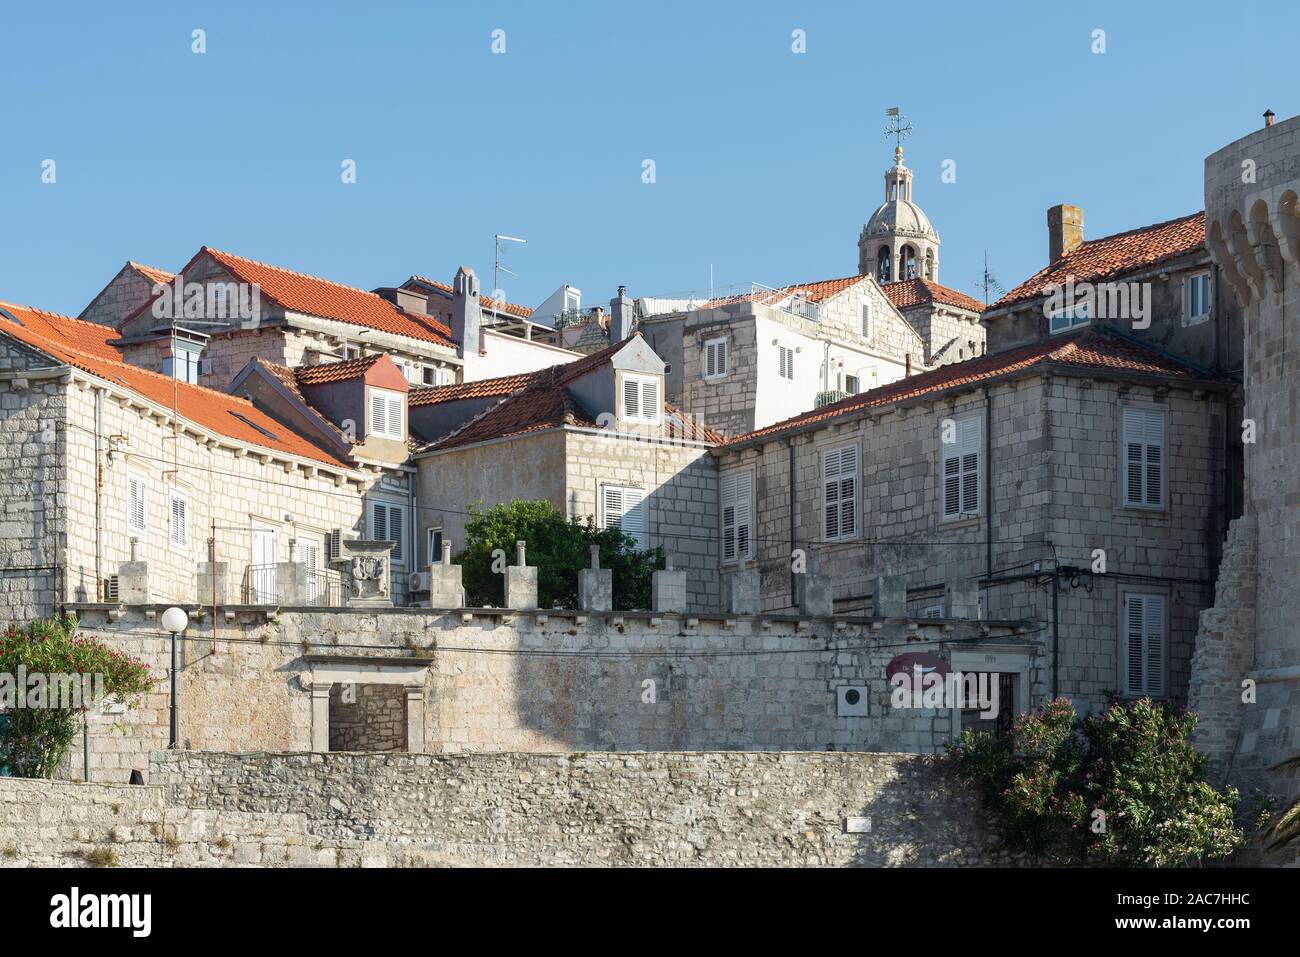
(650, 399)
(715, 358)
(395, 416)
(624, 509)
(631, 398)
(179, 527)
(135, 515)
(1144, 447)
(397, 531)
(840, 481)
(969, 439)
(1144, 652)
(377, 413)
(379, 522)
(737, 523)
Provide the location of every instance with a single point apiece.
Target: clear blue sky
(768, 162)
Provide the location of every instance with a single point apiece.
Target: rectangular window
(736, 493)
(961, 469)
(641, 402)
(1071, 317)
(625, 509)
(386, 414)
(852, 385)
(785, 362)
(866, 320)
(1144, 458)
(433, 546)
(135, 504)
(715, 358)
(1196, 298)
(1144, 644)
(351, 352)
(179, 535)
(412, 371)
(840, 487)
(388, 523)
(183, 363)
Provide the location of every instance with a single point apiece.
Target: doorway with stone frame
(367, 704)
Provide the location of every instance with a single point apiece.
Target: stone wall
(367, 718)
(704, 809)
(1252, 203)
(1052, 493)
(544, 681)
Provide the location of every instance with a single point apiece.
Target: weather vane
(896, 126)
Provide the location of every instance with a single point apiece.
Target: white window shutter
(737, 523)
(650, 399)
(1155, 644)
(970, 466)
(631, 399)
(377, 413)
(136, 513)
(379, 522)
(397, 532)
(1144, 445)
(624, 509)
(179, 527)
(1134, 625)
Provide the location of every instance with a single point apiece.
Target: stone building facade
(1247, 667)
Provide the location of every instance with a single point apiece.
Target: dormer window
(183, 363)
(1071, 317)
(386, 414)
(640, 398)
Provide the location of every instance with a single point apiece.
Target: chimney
(466, 311)
(621, 311)
(1064, 230)
(1268, 118)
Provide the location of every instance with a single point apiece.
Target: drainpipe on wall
(988, 471)
(789, 445)
(99, 490)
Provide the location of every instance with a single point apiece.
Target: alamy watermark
(920, 688)
(53, 692)
(1076, 303)
(224, 302)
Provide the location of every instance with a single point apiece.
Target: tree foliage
(35, 740)
(1121, 787)
(558, 547)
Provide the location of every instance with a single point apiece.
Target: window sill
(962, 521)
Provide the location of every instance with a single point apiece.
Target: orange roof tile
(1091, 348)
(84, 345)
(812, 291)
(481, 389)
(545, 402)
(1113, 255)
(330, 300)
(917, 292)
(523, 312)
(335, 371)
(152, 274)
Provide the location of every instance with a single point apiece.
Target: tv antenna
(989, 282)
(897, 127)
(500, 267)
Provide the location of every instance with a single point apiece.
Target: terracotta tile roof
(545, 402)
(1091, 348)
(812, 291)
(335, 371)
(330, 300)
(152, 274)
(1109, 256)
(83, 345)
(482, 389)
(523, 312)
(917, 292)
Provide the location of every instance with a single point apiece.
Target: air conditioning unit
(418, 581)
(110, 590)
(851, 701)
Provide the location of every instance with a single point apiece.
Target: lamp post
(175, 621)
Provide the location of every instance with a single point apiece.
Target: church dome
(900, 217)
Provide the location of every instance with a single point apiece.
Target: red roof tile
(812, 291)
(481, 389)
(523, 312)
(545, 402)
(917, 292)
(335, 371)
(330, 300)
(1098, 259)
(152, 274)
(84, 345)
(1091, 348)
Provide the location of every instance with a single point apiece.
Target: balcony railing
(323, 587)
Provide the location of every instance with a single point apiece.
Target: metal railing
(325, 587)
(259, 585)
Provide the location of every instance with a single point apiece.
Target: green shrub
(1120, 787)
(559, 548)
(35, 740)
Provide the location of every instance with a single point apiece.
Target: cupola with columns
(898, 241)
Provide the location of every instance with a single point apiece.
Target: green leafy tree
(559, 548)
(1121, 787)
(35, 740)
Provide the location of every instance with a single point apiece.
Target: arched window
(907, 263)
(883, 264)
(929, 264)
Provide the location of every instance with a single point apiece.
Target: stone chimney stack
(466, 312)
(621, 314)
(1064, 230)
